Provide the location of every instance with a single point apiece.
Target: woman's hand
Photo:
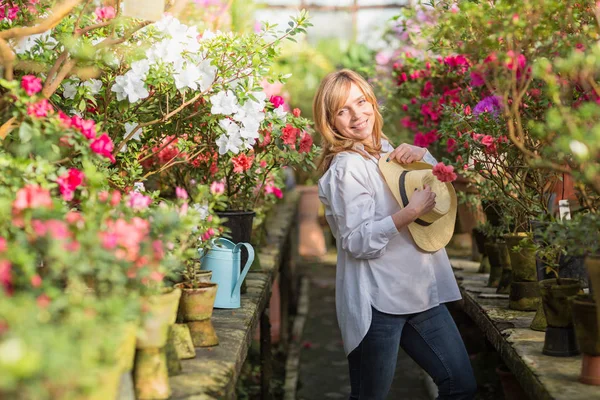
(422, 201)
(407, 153)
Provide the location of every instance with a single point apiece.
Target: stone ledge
(214, 372)
(541, 376)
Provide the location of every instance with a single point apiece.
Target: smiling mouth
(361, 125)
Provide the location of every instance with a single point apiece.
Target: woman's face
(355, 119)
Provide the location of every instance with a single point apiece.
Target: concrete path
(323, 365)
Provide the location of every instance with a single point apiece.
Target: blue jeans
(431, 338)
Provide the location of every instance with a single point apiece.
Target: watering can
(223, 259)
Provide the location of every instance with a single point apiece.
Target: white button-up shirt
(377, 265)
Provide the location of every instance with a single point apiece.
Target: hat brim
(438, 234)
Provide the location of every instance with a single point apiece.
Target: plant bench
(542, 377)
(214, 372)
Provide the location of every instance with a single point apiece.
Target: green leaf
(25, 132)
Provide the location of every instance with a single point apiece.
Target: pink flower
(263, 164)
(31, 84)
(208, 234)
(40, 109)
(306, 142)
(242, 163)
(36, 281)
(115, 198)
(217, 188)
(10, 13)
(427, 89)
(104, 13)
(64, 119)
(2, 244)
(32, 196)
(6, 276)
(73, 217)
(487, 140)
(274, 190)
(43, 300)
(103, 146)
(514, 61)
(296, 112)
(181, 193)
(69, 182)
(444, 173)
(276, 101)
(468, 110)
(138, 201)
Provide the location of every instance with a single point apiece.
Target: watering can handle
(236, 289)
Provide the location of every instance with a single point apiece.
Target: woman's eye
(363, 101)
(341, 112)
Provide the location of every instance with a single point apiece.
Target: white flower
(202, 210)
(209, 73)
(229, 143)
(130, 87)
(188, 77)
(94, 85)
(140, 68)
(579, 149)
(224, 103)
(139, 187)
(207, 35)
(280, 112)
(31, 43)
(166, 51)
(231, 128)
(129, 126)
(69, 90)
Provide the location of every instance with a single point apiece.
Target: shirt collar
(385, 146)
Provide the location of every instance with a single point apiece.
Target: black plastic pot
(240, 225)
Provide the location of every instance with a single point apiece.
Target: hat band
(404, 198)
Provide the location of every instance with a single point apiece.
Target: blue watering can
(223, 259)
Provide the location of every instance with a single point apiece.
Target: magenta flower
(103, 146)
(40, 109)
(69, 182)
(31, 84)
(276, 101)
(477, 79)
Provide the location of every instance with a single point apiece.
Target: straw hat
(433, 230)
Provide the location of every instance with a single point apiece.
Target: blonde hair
(329, 99)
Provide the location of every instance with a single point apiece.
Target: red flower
(450, 145)
(69, 182)
(288, 134)
(242, 163)
(296, 112)
(31, 84)
(6, 276)
(306, 142)
(444, 173)
(104, 147)
(468, 110)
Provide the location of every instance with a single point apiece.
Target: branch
(54, 17)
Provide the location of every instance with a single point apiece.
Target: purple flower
(490, 104)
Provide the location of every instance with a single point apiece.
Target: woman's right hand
(422, 201)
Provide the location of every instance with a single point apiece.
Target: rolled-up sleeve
(353, 210)
(429, 159)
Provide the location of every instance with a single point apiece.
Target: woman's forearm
(404, 217)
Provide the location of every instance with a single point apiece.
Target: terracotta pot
(539, 322)
(590, 370)
(203, 333)
(150, 375)
(161, 312)
(196, 304)
(583, 308)
(511, 387)
(555, 296)
(592, 265)
(523, 262)
(126, 350)
(498, 256)
(310, 234)
(524, 296)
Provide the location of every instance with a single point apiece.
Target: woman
(389, 293)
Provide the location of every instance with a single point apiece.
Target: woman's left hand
(407, 153)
